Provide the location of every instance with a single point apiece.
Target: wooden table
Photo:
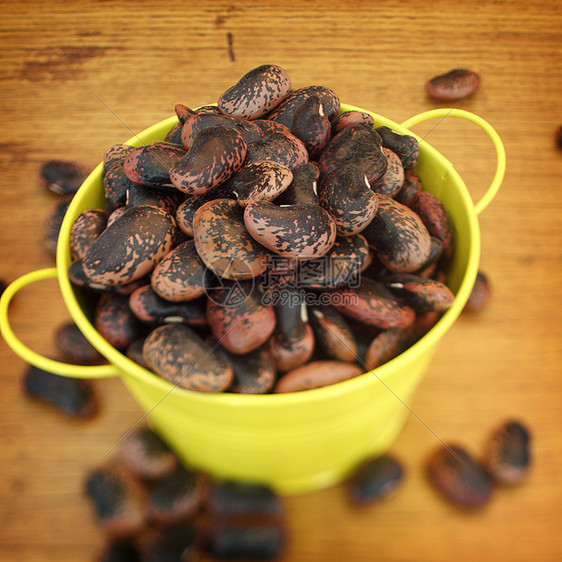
(80, 76)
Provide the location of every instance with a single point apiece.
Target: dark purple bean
(507, 455)
(429, 268)
(223, 242)
(292, 342)
(180, 275)
(373, 304)
(406, 147)
(175, 497)
(74, 347)
(316, 374)
(340, 266)
(436, 219)
(399, 237)
(333, 334)
(267, 126)
(145, 454)
(346, 194)
(231, 501)
(73, 397)
(134, 353)
(393, 179)
(375, 479)
(166, 198)
(386, 346)
(456, 84)
(299, 231)
(123, 550)
(423, 295)
(256, 93)
(312, 126)
(258, 181)
(117, 501)
(115, 321)
(410, 188)
(243, 541)
(303, 190)
(480, 294)
(283, 148)
(179, 355)
(174, 135)
(239, 319)
(358, 144)
(151, 164)
(254, 372)
(129, 248)
(284, 113)
(186, 211)
(201, 121)
(116, 185)
(63, 177)
(53, 223)
(86, 228)
(454, 473)
(350, 118)
(177, 543)
(116, 155)
(183, 112)
(149, 307)
(217, 154)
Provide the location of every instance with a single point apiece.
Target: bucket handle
(30, 356)
(488, 129)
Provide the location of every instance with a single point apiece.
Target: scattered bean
(73, 397)
(454, 85)
(459, 478)
(145, 454)
(74, 347)
(62, 177)
(507, 456)
(480, 294)
(175, 497)
(117, 501)
(375, 479)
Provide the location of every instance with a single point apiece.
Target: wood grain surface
(77, 77)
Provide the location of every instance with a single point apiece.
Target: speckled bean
(333, 334)
(238, 318)
(399, 237)
(179, 355)
(258, 181)
(256, 93)
(454, 473)
(346, 194)
(507, 453)
(129, 248)
(316, 374)
(373, 304)
(456, 84)
(298, 231)
(223, 243)
(217, 154)
(358, 144)
(86, 228)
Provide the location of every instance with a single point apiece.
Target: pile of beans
(151, 507)
(270, 243)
